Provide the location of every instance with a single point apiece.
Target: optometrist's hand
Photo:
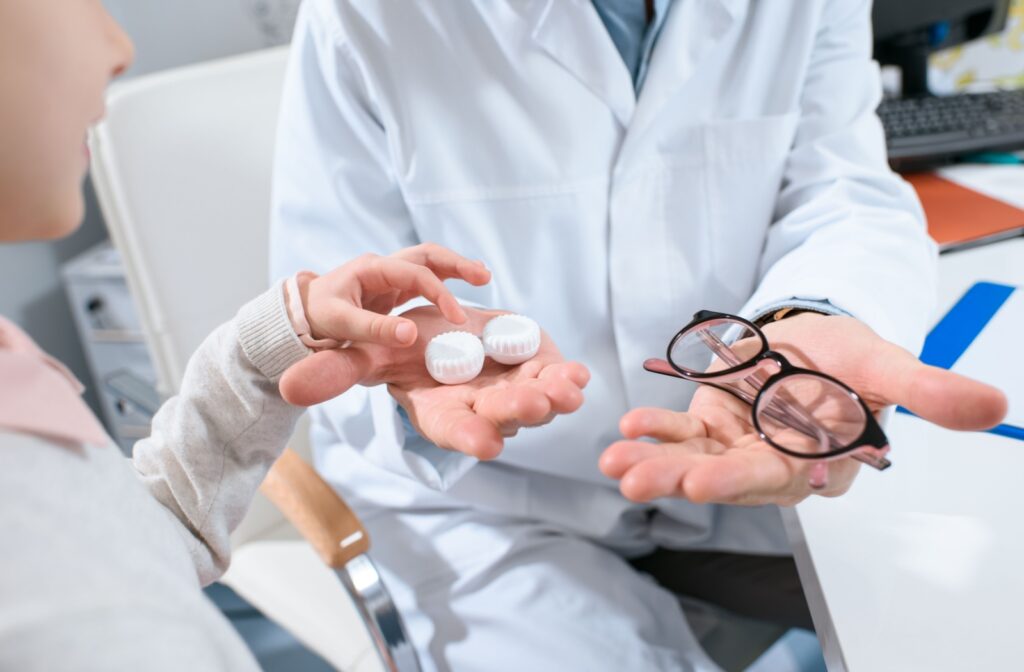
(353, 302)
(712, 453)
(473, 418)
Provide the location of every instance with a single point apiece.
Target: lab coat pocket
(744, 163)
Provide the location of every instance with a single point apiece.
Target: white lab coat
(750, 172)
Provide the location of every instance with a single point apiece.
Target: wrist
(786, 313)
(266, 335)
(297, 301)
(296, 295)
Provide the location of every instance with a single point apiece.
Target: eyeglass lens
(715, 345)
(809, 414)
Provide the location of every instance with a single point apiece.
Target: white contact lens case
(455, 357)
(511, 339)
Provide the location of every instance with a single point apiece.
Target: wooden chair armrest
(316, 510)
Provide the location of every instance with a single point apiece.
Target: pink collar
(38, 395)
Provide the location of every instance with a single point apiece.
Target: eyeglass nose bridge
(776, 358)
(754, 368)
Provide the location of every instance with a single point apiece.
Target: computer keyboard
(921, 130)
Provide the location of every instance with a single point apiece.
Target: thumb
(323, 376)
(940, 396)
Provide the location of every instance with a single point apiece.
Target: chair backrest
(182, 166)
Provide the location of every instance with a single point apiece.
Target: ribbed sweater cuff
(267, 336)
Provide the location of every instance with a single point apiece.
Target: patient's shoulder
(94, 567)
(76, 522)
(131, 635)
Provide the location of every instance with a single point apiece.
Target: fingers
(702, 471)
(446, 264)
(564, 395)
(954, 401)
(562, 384)
(743, 477)
(622, 456)
(514, 406)
(943, 397)
(386, 273)
(661, 424)
(534, 401)
(657, 477)
(661, 476)
(364, 326)
(323, 376)
(459, 428)
(477, 424)
(574, 372)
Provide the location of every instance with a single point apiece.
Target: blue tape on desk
(954, 334)
(951, 337)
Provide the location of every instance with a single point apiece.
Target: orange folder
(959, 217)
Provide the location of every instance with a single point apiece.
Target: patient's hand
(472, 418)
(353, 302)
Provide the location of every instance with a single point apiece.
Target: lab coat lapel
(571, 32)
(691, 29)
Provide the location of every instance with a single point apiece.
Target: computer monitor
(908, 31)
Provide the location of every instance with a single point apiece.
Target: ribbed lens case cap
(511, 339)
(455, 357)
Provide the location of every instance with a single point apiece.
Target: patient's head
(56, 59)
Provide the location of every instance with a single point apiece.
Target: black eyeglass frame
(872, 436)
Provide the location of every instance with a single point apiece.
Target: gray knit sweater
(100, 563)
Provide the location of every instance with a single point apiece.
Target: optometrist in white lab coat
(748, 174)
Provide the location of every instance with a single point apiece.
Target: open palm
(712, 452)
(473, 418)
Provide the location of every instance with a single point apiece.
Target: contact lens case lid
(454, 357)
(511, 339)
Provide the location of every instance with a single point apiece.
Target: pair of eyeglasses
(802, 413)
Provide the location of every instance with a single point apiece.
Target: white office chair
(182, 169)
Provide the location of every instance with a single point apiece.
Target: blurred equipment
(115, 347)
(933, 129)
(921, 128)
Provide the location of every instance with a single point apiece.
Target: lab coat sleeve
(212, 444)
(848, 230)
(336, 195)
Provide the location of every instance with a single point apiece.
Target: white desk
(922, 567)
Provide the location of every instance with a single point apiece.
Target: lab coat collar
(691, 29)
(572, 33)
